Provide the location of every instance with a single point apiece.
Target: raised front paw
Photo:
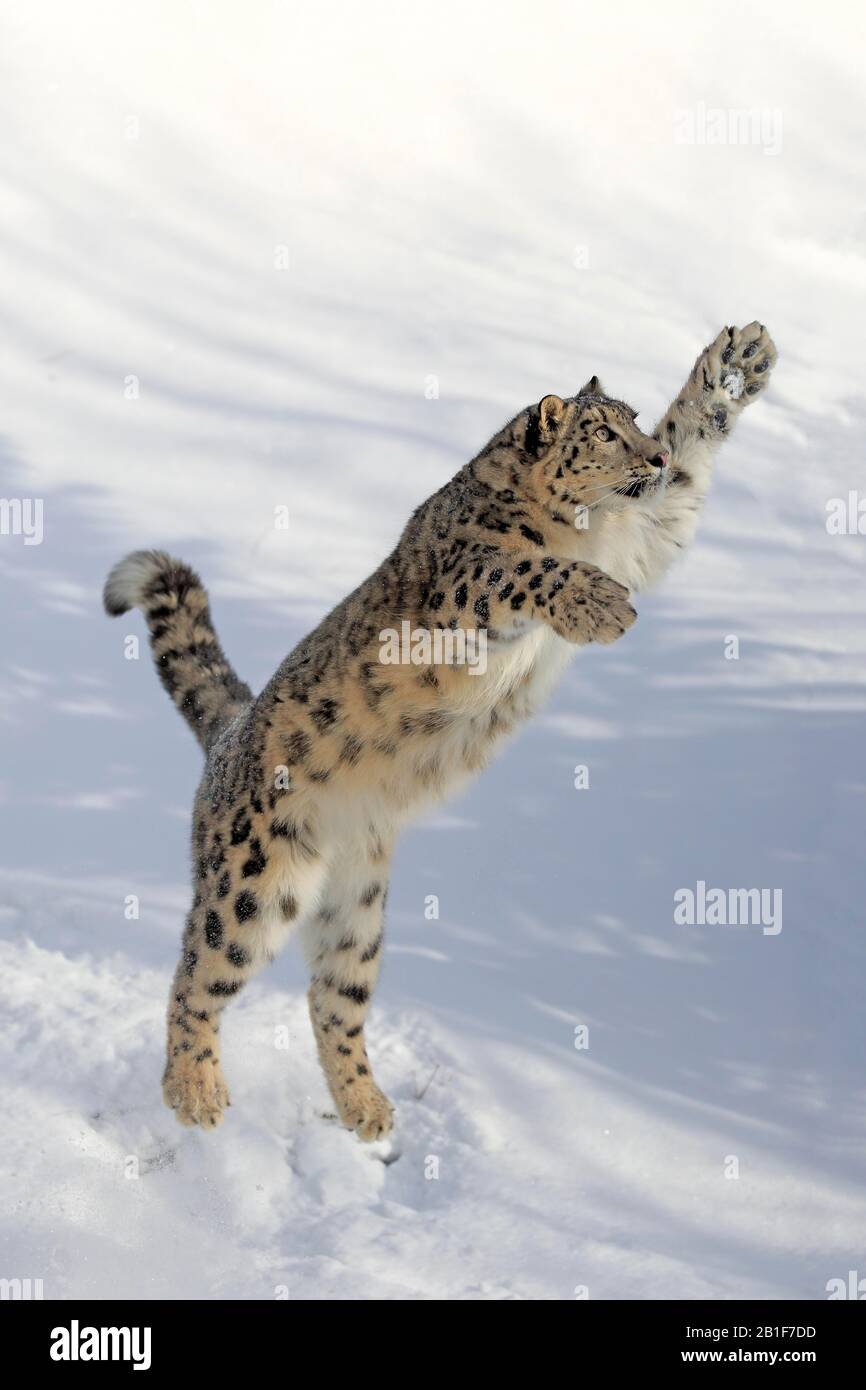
(591, 607)
(736, 367)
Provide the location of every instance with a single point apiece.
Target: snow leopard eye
(603, 433)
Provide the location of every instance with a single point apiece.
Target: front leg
(728, 376)
(580, 602)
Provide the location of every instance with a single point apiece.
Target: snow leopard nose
(658, 460)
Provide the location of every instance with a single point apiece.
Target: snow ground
(438, 185)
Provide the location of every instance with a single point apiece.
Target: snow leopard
(538, 543)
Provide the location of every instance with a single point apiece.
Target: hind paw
(369, 1113)
(196, 1091)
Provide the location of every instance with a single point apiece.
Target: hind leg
(233, 929)
(343, 945)
(193, 1084)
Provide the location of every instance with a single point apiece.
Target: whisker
(613, 492)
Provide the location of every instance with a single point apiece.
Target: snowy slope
(283, 224)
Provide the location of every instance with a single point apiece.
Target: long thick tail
(189, 660)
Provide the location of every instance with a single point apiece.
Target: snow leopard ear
(550, 412)
(542, 425)
(593, 387)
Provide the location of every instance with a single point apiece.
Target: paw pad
(734, 383)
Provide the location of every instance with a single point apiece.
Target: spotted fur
(537, 541)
